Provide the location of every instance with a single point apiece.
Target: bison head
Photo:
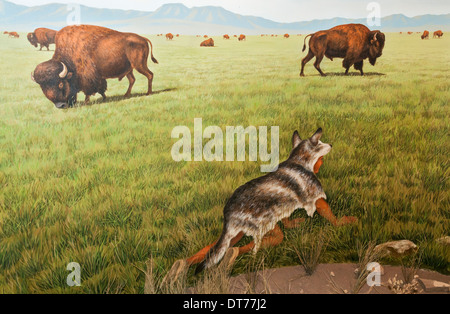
(57, 83)
(32, 39)
(376, 45)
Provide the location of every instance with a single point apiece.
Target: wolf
(256, 207)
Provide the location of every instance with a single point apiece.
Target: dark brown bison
(438, 34)
(42, 36)
(242, 37)
(207, 43)
(425, 35)
(13, 35)
(169, 36)
(286, 35)
(226, 36)
(85, 56)
(353, 42)
(409, 33)
(206, 36)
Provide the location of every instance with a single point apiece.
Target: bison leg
(144, 70)
(138, 61)
(131, 79)
(359, 66)
(319, 59)
(305, 60)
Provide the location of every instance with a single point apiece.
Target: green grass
(97, 185)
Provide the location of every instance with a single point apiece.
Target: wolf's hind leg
(292, 223)
(324, 210)
(200, 255)
(272, 238)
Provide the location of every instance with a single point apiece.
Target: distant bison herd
(86, 56)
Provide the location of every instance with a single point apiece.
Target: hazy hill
(197, 20)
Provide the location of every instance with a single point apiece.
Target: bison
(438, 34)
(425, 35)
(286, 35)
(87, 55)
(42, 36)
(242, 37)
(353, 42)
(169, 36)
(13, 35)
(207, 43)
(226, 36)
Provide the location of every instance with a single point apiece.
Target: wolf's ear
(316, 137)
(295, 139)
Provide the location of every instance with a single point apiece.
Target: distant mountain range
(177, 18)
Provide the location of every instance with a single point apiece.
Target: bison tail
(151, 51)
(304, 42)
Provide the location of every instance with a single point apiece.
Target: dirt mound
(329, 278)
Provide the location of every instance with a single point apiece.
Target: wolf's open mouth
(318, 164)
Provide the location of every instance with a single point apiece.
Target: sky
(279, 10)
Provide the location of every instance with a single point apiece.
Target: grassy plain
(97, 184)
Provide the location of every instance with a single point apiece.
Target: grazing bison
(425, 35)
(353, 42)
(226, 36)
(13, 35)
(409, 33)
(206, 36)
(242, 37)
(87, 55)
(42, 36)
(286, 35)
(169, 36)
(438, 34)
(207, 43)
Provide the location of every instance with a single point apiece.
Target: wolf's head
(309, 153)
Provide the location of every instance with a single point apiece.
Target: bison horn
(63, 74)
(375, 36)
(32, 77)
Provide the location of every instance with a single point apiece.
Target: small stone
(397, 248)
(434, 286)
(444, 240)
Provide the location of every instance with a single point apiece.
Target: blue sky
(279, 10)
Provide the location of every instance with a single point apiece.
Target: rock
(396, 248)
(434, 286)
(444, 240)
(332, 274)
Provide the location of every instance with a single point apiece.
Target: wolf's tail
(217, 252)
(304, 41)
(151, 51)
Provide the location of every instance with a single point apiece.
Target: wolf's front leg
(324, 210)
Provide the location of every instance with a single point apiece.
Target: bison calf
(353, 42)
(85, 57)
